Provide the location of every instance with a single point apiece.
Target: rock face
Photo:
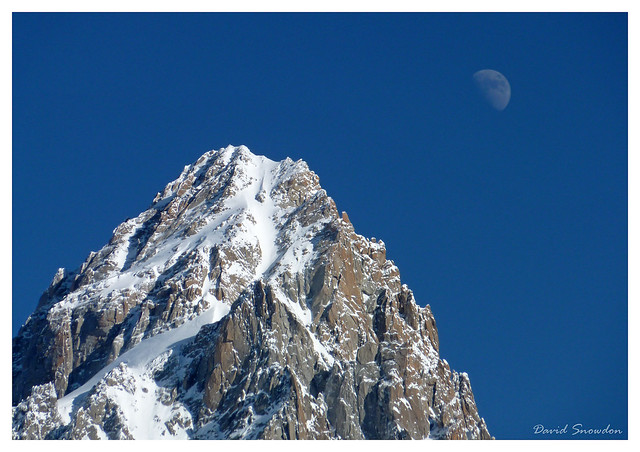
(241, 304)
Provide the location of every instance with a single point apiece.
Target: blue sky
(512, 225)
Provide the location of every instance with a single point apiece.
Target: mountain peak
(239, 305)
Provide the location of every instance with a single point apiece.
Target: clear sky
(511, 224)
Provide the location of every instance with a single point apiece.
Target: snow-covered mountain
(240, 304)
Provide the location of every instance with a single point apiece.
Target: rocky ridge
(241, 304)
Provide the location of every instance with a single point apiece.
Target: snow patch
(138, 358)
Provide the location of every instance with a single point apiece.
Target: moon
(494, 87)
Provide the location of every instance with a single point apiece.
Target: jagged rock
(36, 416)
(239, 305)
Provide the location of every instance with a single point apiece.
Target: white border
(323, 6)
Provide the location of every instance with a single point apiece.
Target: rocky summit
(240, 304)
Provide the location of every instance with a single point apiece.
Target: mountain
(240, 304)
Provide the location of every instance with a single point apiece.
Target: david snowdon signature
(576, 429)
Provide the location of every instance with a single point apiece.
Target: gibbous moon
(494, 87)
